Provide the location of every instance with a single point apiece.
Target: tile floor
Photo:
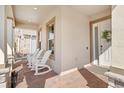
(82, 78)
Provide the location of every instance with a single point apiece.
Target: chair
(31, 57)
(42, 63)
(36, 58)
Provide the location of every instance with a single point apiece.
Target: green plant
(106, 34)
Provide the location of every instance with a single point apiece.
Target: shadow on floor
(92, 80)
(27, 77)
(16, 77)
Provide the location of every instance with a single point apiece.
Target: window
(51, 36)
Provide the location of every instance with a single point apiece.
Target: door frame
(91, 32)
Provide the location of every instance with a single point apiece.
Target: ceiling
(27, 13)
(90, 10)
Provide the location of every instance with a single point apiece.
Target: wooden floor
(82, 78)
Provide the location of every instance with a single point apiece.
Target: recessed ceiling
(31, 13)
(90, 10)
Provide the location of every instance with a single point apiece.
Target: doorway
(101, 43)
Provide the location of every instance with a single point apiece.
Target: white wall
(57, 14)
(118, 37)
(75, 39)
(9, 27)
(5, 32)
(3, 37)
(9, 36)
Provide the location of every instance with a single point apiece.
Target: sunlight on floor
(73, 79)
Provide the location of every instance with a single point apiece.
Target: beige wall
(71, 38)
(26, 26)
(75, 39)
(57, 14)
(118, 37)
(9, 11)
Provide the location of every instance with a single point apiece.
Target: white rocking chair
(42, 63)
(31, 57)
(36, 58)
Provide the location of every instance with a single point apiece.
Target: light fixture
(35, 8)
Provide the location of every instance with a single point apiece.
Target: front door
(102, 43)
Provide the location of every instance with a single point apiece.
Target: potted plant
(106, 34)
